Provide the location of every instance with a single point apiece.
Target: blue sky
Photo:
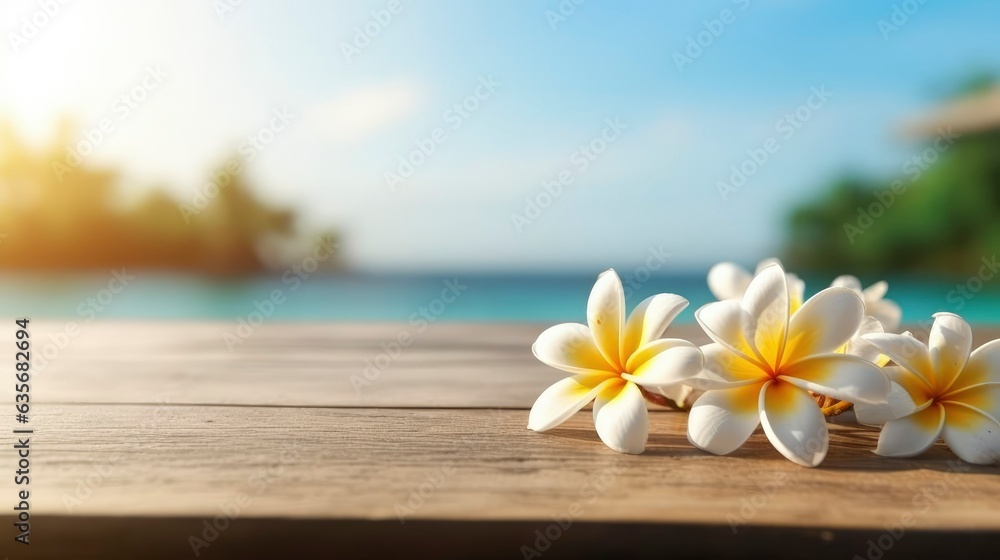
(654, 187)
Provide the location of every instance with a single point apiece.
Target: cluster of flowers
(776, 361)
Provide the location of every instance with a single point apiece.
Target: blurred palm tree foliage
(57, 216)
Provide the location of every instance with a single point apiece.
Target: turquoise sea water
(542, 298)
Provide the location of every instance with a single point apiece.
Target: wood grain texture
(300, 364)
(449, 365)
(145, 430)
(481, 464)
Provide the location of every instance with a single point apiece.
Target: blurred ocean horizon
(544, 298)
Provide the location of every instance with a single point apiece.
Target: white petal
(841, 376)
(985, 398)
(794, 423)
(767, 308)
(721, 421)
(766, 263)
(847, 281)
(723, 322)
(621, 419)
(796, 291)
(728, 281)
(983, 367)
(920, 393)
(897, 404)
(725, 370)
(972, 435)
(860, 347)
(823, 324)
(950, 342)
(875, 292)
(651, 349)
(606, 316)
(564, 399)
(671, 366)
(648, 321)
(570, 347)
(870, 325)
(911, 435)
(887, 312)
(908, 352)
(682, 395)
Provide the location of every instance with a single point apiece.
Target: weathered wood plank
(304, 364)
(297, 364)
(122, 460)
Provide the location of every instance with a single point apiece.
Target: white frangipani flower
(885, 310)
(940, 390)
(610, 360)
(764, 361)
(727, 280)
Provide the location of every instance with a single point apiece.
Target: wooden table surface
(154, 440)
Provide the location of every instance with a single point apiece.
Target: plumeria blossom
(939, 390)
(730, 281)
(611, 358)
(765, 360)
(885, 310)
(727, 280)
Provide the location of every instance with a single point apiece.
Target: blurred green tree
(71, 218)
(940, 215)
